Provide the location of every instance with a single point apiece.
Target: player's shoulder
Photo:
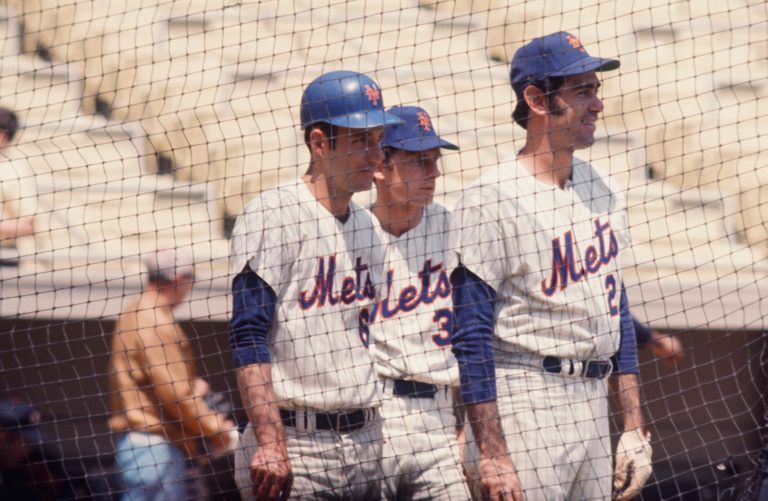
(362, 216)
(437, 211)
(597, 182)
(280, 197)
(502, 182)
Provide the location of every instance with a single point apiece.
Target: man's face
(410, 176)
(351, 162)
(574, 111)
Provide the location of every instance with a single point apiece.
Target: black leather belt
(413, 389)
(342, 422)
(593, 369)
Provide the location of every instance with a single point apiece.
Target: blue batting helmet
(345, 99)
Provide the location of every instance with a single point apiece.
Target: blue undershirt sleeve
(625, 360)
(252, 311)
(474, 316)
(642, 331)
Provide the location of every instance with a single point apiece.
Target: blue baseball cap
(344, 99)
(555, 55)
(415, 133)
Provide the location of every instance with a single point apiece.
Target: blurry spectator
(18, 193)
(30, 469)
(158, 402)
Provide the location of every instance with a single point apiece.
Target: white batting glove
(633, 464)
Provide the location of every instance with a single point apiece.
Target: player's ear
(319, 144)
(536, 100)
(378, 172)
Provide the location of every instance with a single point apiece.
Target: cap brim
(588, 64)
(366, 120)
(421, 144)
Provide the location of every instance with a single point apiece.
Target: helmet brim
(365, 120)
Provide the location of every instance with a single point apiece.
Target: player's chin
(584, 142)
(425, 197)
(361, 181)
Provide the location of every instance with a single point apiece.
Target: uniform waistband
(342, 422)
(590, 369)
(407, 388)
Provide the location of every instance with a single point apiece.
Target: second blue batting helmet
(345, 99)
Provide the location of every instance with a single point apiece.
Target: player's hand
(271, 473)
(668, 348)
(498, 479)
(633, 464)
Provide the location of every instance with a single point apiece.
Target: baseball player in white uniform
(303, 261)
(538, 297)
(413, 321)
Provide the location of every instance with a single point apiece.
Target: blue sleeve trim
(474, 317)
(625, 360)
(252, 311)
(642, 332)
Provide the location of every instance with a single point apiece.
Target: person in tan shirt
(158, 409)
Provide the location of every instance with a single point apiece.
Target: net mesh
(148, 125)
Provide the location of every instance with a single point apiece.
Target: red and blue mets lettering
(595, 257)
(353, 288)
(411, 297)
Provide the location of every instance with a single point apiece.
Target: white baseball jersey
(551, 255)
(414, 317)
(322, 272)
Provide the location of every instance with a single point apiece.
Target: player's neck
(335, 202)
(552, 167)
(395, 218)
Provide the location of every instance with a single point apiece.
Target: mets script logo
(353, 288)
(411, 297)
(594, 258)
(424, 122)
(372, 93)
(575, 42)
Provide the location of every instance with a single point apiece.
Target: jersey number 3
(444, 320)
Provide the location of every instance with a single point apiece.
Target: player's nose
(596, 105)
(432, 170)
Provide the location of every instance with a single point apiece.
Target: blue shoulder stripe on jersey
(474, 315)
(252, 311)
(625, 360)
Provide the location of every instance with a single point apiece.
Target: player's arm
(253, 310)
(474, 310)
(633, 455)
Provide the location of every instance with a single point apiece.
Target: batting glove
(633, 464)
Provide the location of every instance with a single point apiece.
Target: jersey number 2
(610, 286)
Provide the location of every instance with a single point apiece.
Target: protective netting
(150, 125)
